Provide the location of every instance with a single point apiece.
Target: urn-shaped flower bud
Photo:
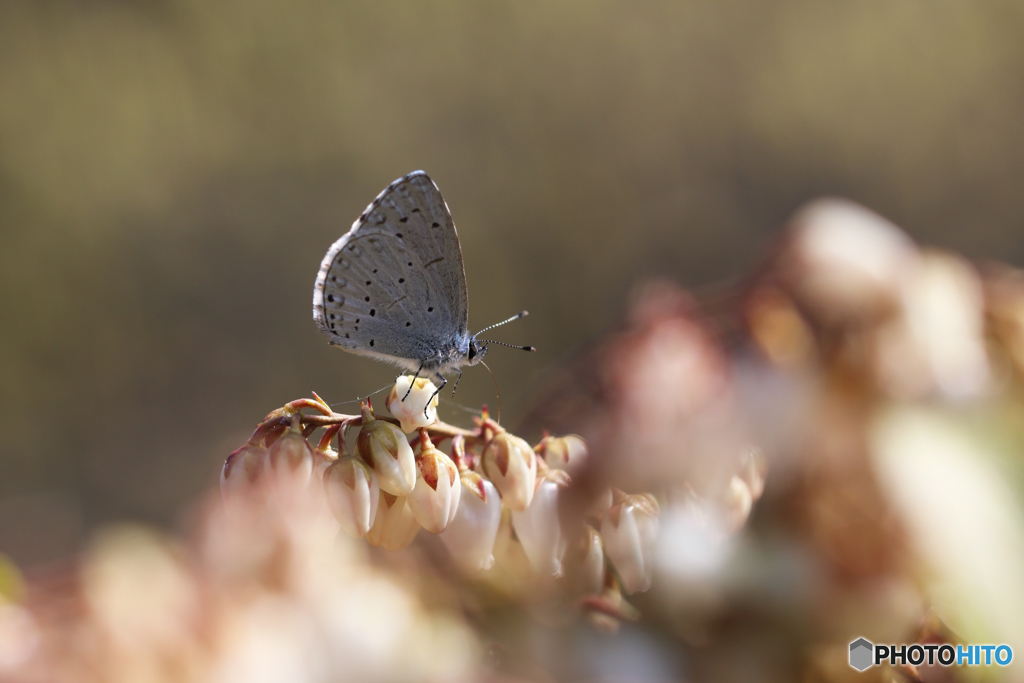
(383, 447)
(394, 527)
(538, 527)
(414, 408)
(563, 452)
(290, 459)
(470, 535)
(242, 469)
(352, 494)
(511, 464)
(435, 498)
(630, 530)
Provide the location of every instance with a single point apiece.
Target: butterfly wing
(394, 286)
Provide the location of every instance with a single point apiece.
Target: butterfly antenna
(517, 316)
(497, 393)
(511, 346)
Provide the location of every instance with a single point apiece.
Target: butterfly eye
(472, 351)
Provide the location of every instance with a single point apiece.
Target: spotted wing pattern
(394, 286)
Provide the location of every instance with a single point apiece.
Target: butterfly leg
(413, 382)
(436, 392)
(456, 387)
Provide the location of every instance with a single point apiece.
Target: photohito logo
(864, 654)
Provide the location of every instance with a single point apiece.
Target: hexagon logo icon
(860, 654)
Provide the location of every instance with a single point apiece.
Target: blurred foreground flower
(395, 526)
(257, 595)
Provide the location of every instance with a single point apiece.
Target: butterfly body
(393, 287)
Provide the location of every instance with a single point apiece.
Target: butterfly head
(477, 351)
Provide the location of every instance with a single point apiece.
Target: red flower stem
(308, 403)
(328, 437)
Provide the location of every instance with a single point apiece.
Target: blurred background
(172, 171)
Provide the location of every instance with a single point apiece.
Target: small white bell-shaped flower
(435, 498)
(242, 469)
(563, 452)
(538, 526)
(630, 531)
(511, 464)
(470, 535)
(352, 494)
(383, 447)
(414, 408)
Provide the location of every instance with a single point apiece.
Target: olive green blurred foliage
(171, 172)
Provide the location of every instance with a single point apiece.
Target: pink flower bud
(352, 494)
(242, 469)
(563, 452)
(394, 526)
(410, 412)
(383, 447)
(630, 530)
(470, 534)
(511, 464)
(290, 460)
(435, 498)
(540, 531)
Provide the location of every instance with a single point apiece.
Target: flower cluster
(396, 478)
